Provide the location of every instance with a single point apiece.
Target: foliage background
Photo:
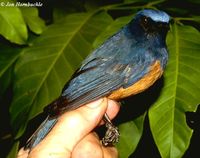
(40, 48)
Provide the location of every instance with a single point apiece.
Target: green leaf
(5, 81)
(130, 134)
(34, 22)
(64, 8)
(12, 25)
(44, 68)
(111, 29)
(95, 5)
(8, 56)
(92, 5)
(196, 18)
(13, 152)
(180, 93)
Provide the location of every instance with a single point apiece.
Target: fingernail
(96, 103)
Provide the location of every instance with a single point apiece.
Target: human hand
(73, 135)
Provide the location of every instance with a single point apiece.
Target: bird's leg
(112, 133)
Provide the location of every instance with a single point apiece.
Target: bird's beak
(164, 26)
(167, 26)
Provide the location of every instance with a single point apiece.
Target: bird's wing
(95, 81)
(119, 62)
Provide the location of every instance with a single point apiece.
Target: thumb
(70, 129)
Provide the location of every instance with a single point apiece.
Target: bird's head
(148, 23)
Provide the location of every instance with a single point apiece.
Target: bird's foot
(112, 133)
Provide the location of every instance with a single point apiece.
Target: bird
(127, 63)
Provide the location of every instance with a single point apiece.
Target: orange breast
(144, 83)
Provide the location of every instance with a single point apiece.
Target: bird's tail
(40, 133)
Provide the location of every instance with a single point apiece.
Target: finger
(89, 146)
(22, 153)
(110, 152)
(112, 109)
(70, 129)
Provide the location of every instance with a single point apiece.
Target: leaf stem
(124, 6)
(183, 18)
(150, 4)
(109, 7)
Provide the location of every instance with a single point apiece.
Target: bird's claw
(111, 136)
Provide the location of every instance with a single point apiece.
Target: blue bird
(127, 63)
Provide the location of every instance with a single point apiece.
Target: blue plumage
(155, 15)
(121, 61)
(130, 47)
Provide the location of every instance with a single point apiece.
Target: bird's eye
(144, 22)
